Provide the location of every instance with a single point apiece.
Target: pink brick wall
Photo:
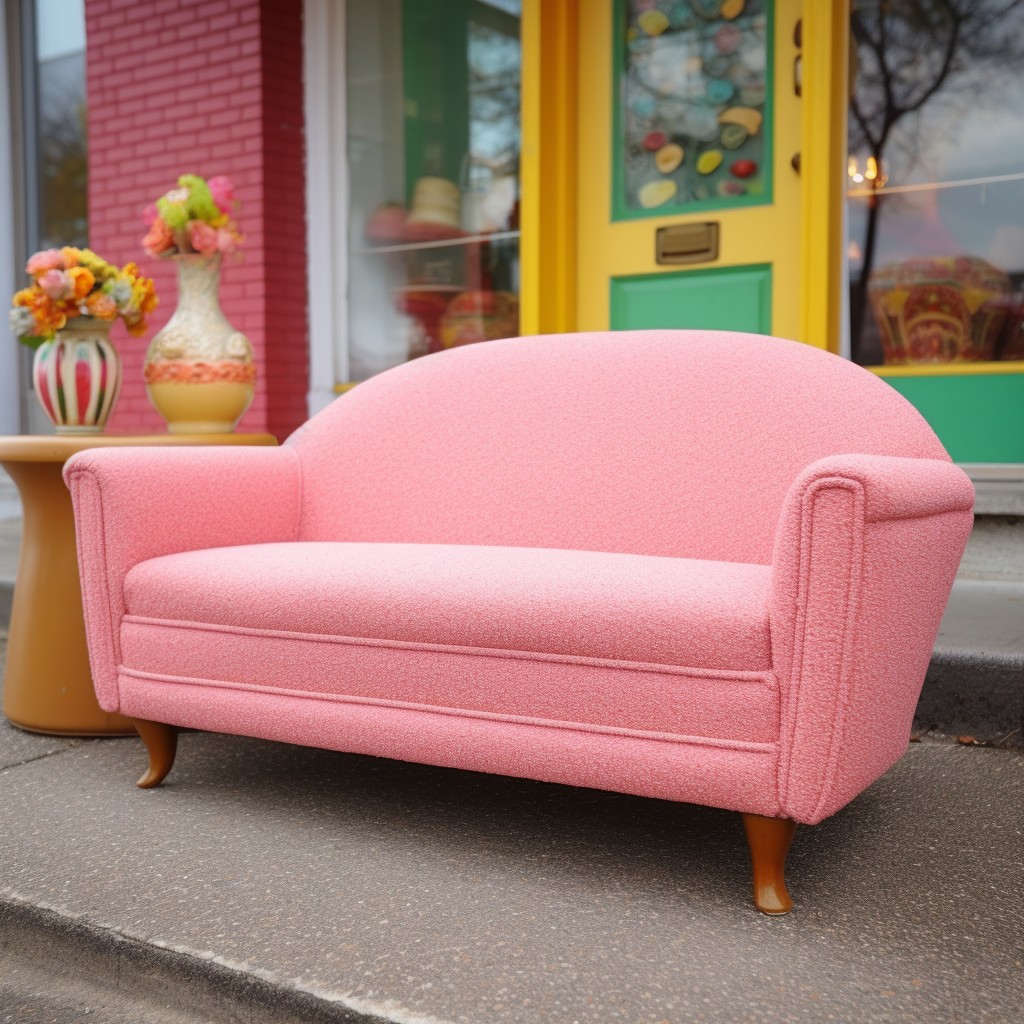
(216, 89)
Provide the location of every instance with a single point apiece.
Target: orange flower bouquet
(69, 283)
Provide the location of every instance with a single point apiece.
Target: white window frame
(327, 198)
(10, 358)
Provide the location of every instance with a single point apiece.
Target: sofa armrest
(133, 504)
(866, 551)
(897, 488)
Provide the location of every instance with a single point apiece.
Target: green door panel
(726, 299)
(979, 417)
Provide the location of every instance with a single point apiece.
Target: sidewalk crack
(39, 757)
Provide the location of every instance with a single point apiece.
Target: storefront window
(433, 153)
(45, 64)
(59, 120)
(936, 182)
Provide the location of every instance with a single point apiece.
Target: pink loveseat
(700, 566)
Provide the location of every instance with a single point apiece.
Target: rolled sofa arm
(133, 504)
(866, 551)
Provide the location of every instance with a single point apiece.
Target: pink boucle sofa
(700, 566)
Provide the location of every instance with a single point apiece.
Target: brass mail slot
(688, 243)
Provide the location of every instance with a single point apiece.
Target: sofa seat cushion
(670, 611)
(659, 644)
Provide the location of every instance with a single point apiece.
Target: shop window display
(433, 151)
(936, 182)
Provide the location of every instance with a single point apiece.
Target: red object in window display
(479, 316)
(386, 225)
(426, 308)
(429, 231)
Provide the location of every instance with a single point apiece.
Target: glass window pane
(936, 182)
(693, 119)
(61, 122)
(433, 93)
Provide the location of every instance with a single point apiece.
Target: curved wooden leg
(162, 743)
(769, 839)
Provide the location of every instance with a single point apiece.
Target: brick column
(206, 87)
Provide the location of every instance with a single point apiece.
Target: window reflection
(433, 96)
(936, 181)
(61, 156)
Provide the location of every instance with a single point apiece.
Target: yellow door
(705, 178)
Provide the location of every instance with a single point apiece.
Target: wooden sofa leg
(769, 839)
(162, 743)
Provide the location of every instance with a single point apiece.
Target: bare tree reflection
(909, 54)
(64, 177)
(62, 150)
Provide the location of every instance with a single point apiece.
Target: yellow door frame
(552, 31)
(548, 206)
(826, 99)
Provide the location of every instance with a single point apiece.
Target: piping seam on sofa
(433, 709)
(798, 661)
(87, 481)
(765, 677)
(855, 563)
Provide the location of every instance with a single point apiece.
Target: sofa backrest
(679, 443)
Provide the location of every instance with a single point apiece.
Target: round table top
(60, 447)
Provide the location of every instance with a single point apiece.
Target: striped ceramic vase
(77, 376)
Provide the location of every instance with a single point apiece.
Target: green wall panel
(978, 417)
(726, 299)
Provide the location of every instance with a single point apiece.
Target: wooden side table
(47, 683)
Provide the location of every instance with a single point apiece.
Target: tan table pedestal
(47, 684)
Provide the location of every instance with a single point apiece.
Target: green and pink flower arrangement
(193, 219)
(69, 283)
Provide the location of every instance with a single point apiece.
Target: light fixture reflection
(873, 174)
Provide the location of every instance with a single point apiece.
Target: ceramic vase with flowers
(199, 370)
(66, 315)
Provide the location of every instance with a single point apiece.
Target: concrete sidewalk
(271, 883)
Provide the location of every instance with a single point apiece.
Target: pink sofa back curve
(677, 443)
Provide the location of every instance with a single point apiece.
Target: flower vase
(77, 376)
(199, 371)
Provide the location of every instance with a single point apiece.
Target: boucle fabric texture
(865, 556)
(738, 707)
(695, 565)
(736, 777)
(673, 443)
(658, 644)
(586, 604)
(129, 508)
